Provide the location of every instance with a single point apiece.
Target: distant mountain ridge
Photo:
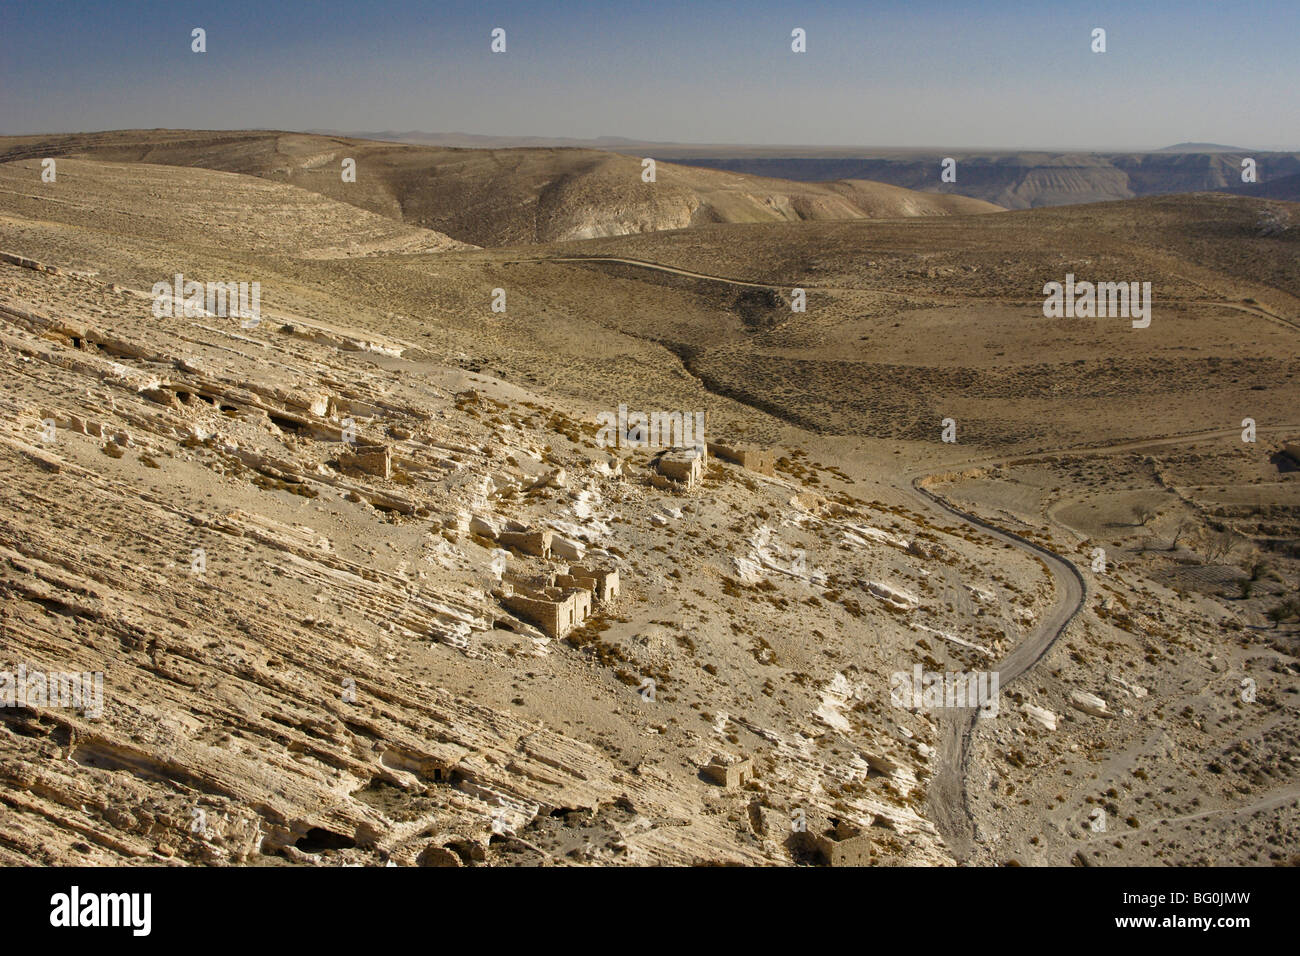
(1201, 148)
(1013, 179)
(455, 140)
(1030, 180)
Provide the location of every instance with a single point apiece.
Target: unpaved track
(1254, 310)
(947, 795)
(654, 267)
(745, 283)
(949, 808)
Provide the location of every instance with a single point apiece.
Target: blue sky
(917, 73)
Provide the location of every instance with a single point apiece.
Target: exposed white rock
(567, 548)
(483, 526)
(1041, 714)
(835, 699)
(861, 534)
(1089, 704)
(750, 572)
(1135, 689)
(954, 639)
(894, 595)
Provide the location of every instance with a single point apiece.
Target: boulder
(484, 527)
(1040, 714)
(434, 855)
(567, 548)
(1090, 704)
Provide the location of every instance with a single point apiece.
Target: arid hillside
(321, 559)
(171, 206)
(502, 197)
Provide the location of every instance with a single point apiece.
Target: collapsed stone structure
(761, 460)
(607, 586)
(839, 844)
(374, 460)
(537, 543)
(558, 602)
(729, 772)
(683, 465)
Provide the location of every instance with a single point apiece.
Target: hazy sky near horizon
(910, 73)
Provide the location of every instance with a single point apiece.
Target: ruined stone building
(558, 602)
(536, 542)
(729, 772)
(839, 843)
(761, 460)
(683, 465)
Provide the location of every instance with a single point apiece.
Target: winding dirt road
(947, 794)
(949, 808)
(1255, 310)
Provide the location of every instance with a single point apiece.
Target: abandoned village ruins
(557, 600)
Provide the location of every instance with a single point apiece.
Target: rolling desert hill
(292, 548)
(223, 211)
(910, 322)
(501, 197)
(340, 680)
